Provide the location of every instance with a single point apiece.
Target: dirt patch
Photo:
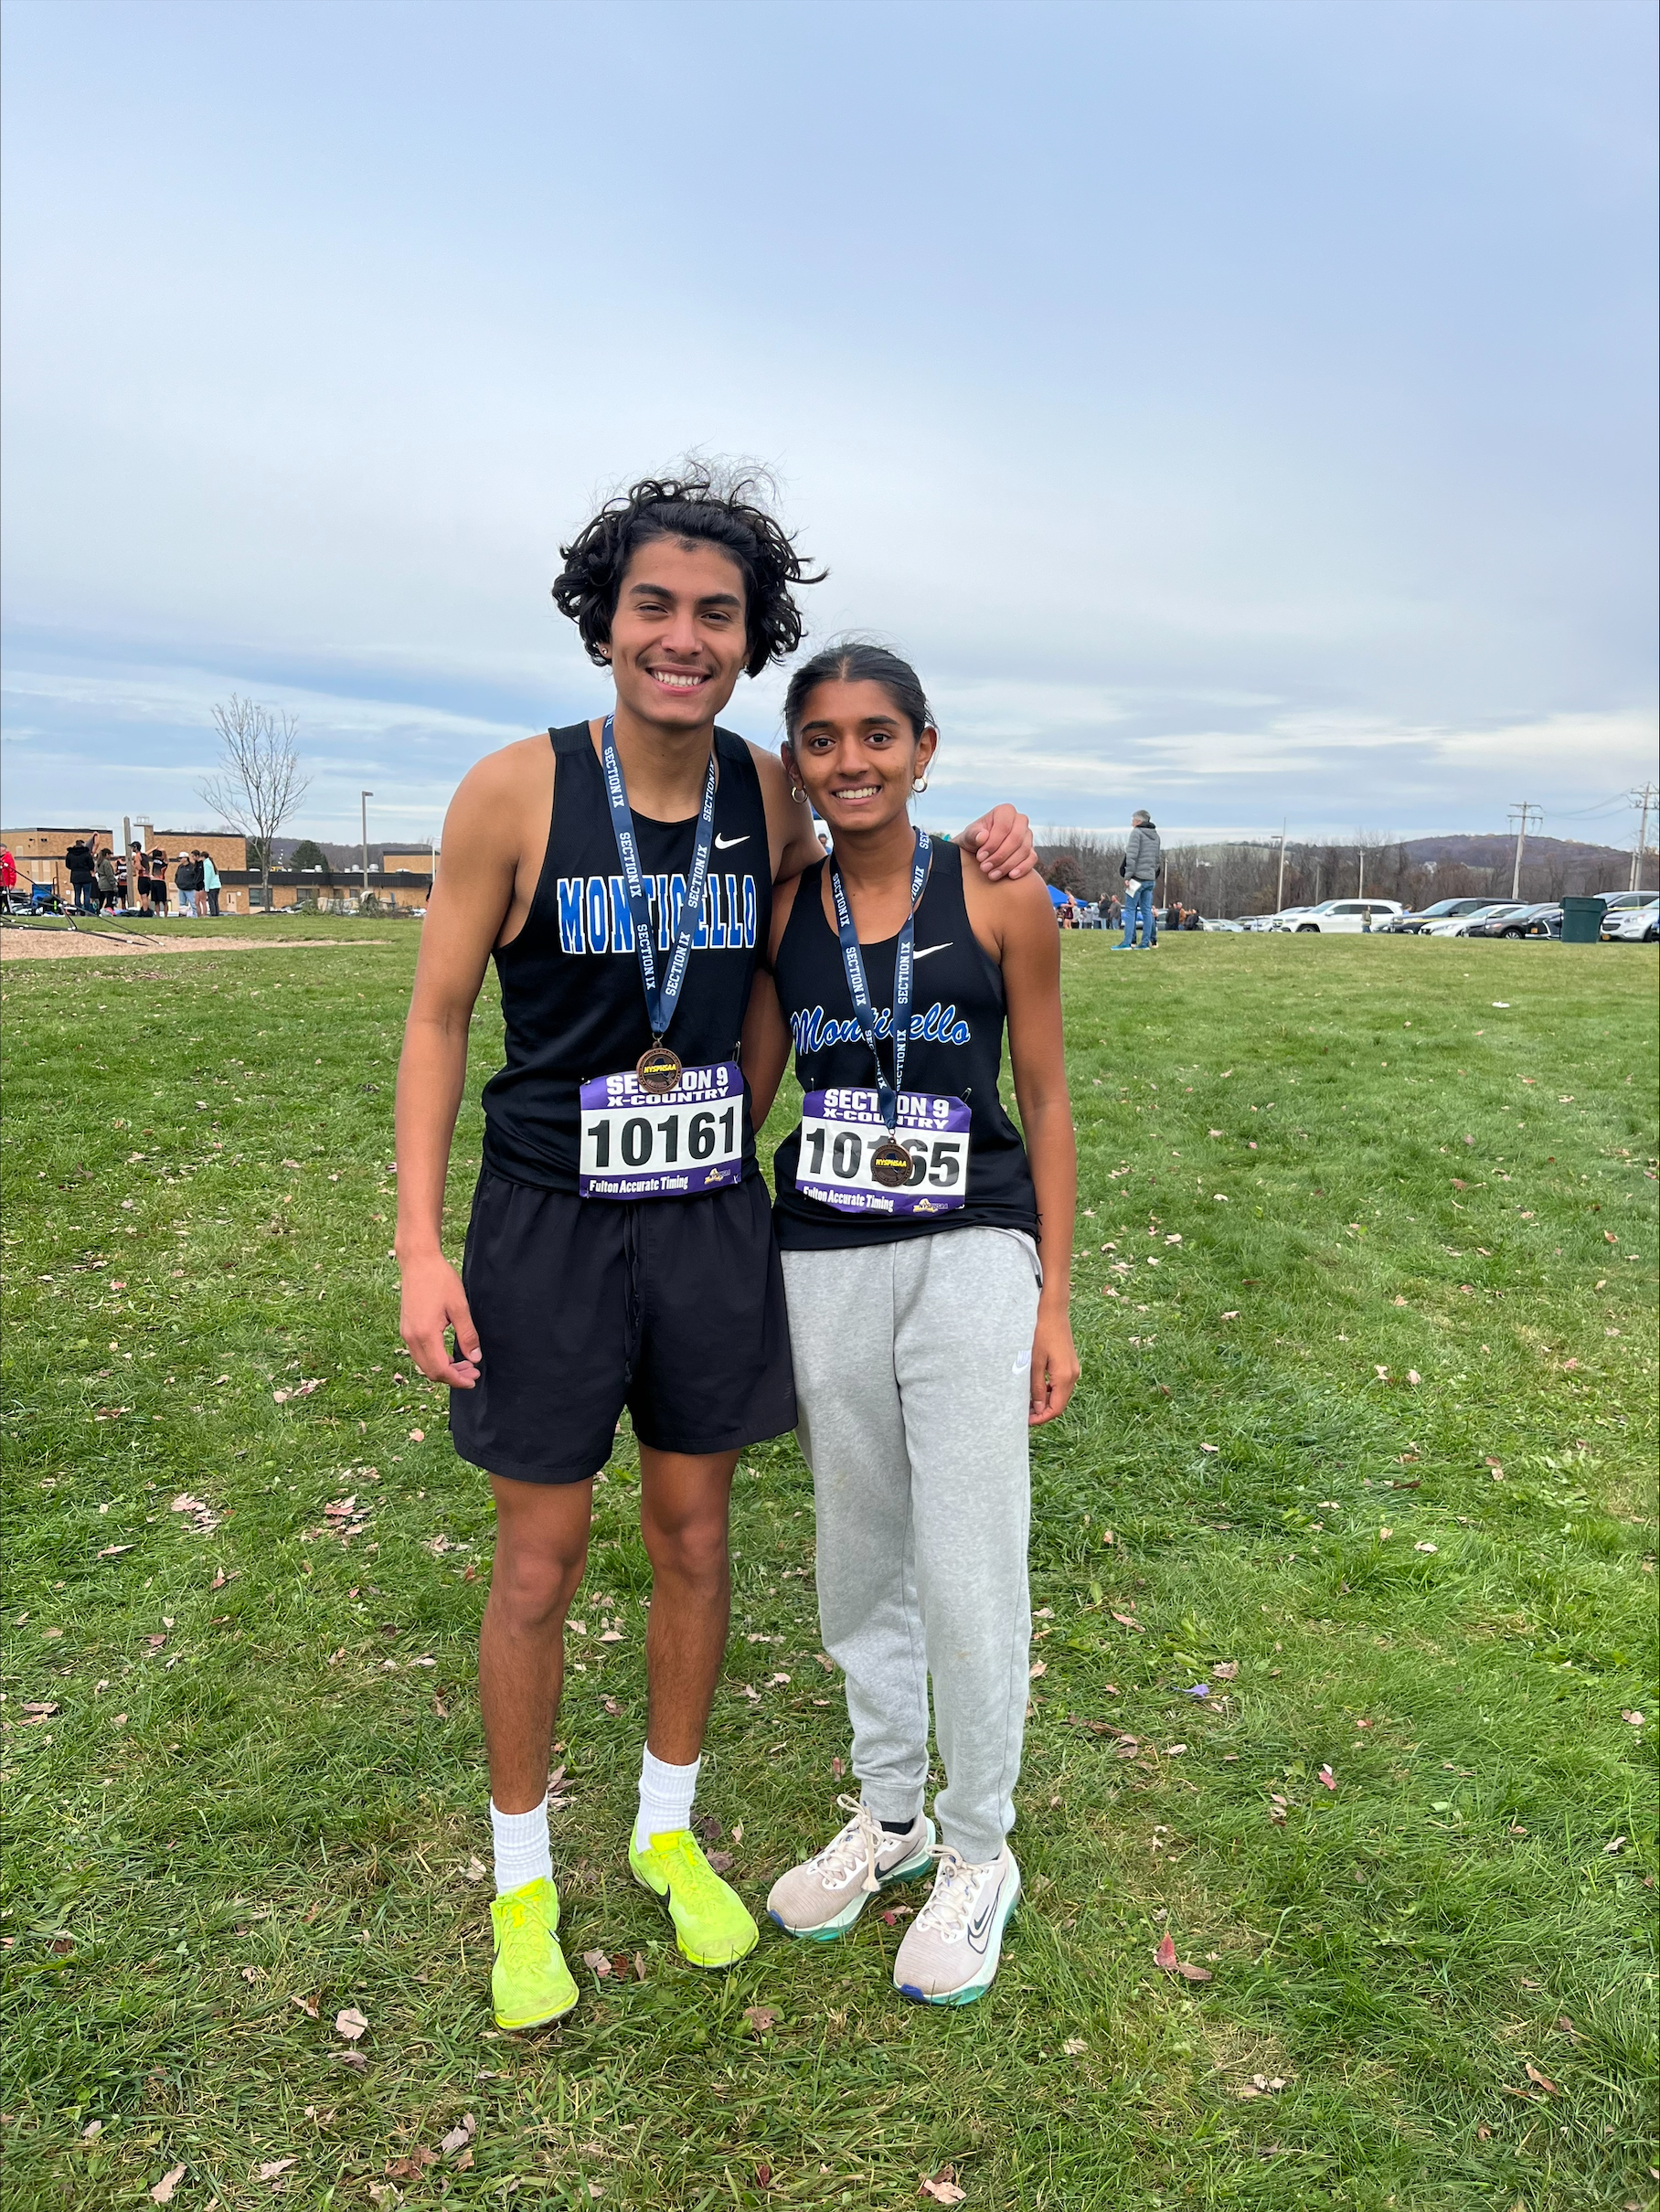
(75, 944)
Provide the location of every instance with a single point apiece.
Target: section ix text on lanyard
(890, 1163)
(657, 1068)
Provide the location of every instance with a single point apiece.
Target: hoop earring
(918, 786)
(797, 794)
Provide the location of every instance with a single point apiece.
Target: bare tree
(257, 783)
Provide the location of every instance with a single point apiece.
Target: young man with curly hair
(619, 1250)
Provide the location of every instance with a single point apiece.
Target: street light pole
(363, 804)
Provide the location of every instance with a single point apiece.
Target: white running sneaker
(821, 1898)
(950, 1949)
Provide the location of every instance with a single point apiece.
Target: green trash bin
(1582, 920)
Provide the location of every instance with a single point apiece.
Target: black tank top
(572, 1001)
(955, 1047)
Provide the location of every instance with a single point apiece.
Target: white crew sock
(665, 1798)
(521, 1847)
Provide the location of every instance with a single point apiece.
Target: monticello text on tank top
(815, 1030)
(594, 914)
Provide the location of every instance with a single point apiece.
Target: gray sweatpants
(912, 1366)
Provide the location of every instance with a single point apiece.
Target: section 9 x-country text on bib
(841, 1130)
(636, 1145)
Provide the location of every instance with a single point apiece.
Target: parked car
(1208, 921)
(1637, 925)
(1547, 923)
(1445, 910)
(1269, 921)
(1340, 917)
(1617, 905)
(1461, 925)
(1509, 921)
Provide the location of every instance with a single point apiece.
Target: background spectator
(83, 881)
(158, 883)
(186, 879)
(103, 868)
(210, 882)
(1144, 859)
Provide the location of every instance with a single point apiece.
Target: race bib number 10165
(840, 1132)
(638, 1145)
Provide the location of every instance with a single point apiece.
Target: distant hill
(342, 858)
(1605, 866)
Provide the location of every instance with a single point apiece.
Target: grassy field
(1364, 1450)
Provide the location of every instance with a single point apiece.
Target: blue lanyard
(659, 1004)
(887, 1095)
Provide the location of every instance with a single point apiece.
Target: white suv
(1617, 905)
(1339, 916)
(1635, 925)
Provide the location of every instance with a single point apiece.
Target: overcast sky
(1245, 412)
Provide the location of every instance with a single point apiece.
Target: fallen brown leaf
(460, 2136)
(597, 1963)
(1166, 1960)
(350, 2024)
(308, 2005)
(760, 2017)
(942, 2187)
(273, 2166)
(163, 2192)
(1541, 2080)
(412, 2167)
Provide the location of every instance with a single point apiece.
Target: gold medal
(657, 1069)
(890, 1163)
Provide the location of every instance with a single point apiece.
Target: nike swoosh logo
(725, 845)
(927, 948)
(980, 1927)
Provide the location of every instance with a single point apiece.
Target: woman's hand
(432, 1301)
(1055, 1367)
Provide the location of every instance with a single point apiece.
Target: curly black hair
(699, 503)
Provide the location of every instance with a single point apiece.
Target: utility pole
(363, 805)
(1279, 888)
(1360, 880)
(1520, 814)
(1643, 799)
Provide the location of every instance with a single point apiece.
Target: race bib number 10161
(638, 1145)
(840, 1132)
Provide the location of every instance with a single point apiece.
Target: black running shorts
(673, 1307)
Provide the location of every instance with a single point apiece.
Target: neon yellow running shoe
(712, 1925)
(530, 1984)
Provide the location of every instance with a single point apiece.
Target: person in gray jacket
(1143, 857)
